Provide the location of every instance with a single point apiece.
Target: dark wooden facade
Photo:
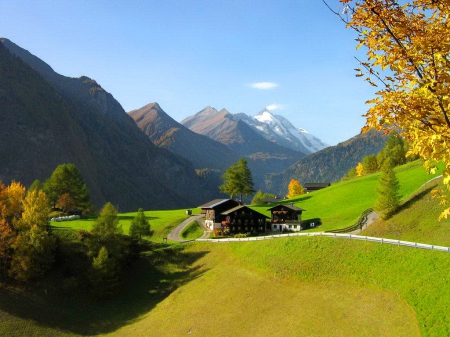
(213, 210)
(286, 218)
(242, 219)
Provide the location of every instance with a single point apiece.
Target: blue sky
(294, 56)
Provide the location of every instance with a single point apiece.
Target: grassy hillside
(417, 219)
(341, 204)
(306, 286)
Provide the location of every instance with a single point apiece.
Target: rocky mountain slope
(262, 155)
(49, 119)
(280, 131)
(165, 132)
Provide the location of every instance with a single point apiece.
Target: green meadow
(297, 286)
(341, 204)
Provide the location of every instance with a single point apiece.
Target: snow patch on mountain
(279, 130)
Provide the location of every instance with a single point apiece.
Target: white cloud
(275, 106)
(264, 85)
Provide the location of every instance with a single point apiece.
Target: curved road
(174, 235)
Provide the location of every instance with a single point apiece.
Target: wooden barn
(309, 187)
(242, 219)
(213, 211)
(286, 218)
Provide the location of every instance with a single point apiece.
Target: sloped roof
(213, 203)
(306, 185)
(237, 208)
(291, 207)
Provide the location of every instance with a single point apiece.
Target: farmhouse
(213, 211)
(309, 187)
(242, 219)
(286, 218)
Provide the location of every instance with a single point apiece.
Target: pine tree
(139, 225)
(238, 180)
(104, 276)
(388, 198)
(107, 223)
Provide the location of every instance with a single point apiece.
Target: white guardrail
(333, 235)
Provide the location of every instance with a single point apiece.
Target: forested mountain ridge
(330, 164)
(165, 132)
(49, 119)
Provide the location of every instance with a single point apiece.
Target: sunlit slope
(341, 204)
(417, 219)
(306, 286)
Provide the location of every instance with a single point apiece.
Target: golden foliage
(408, 49)
(360, 169)
(294, 189)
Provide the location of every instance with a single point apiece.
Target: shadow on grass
(414, 199)
(148, 282)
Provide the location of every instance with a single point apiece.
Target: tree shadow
(411, 201)
(147, 282)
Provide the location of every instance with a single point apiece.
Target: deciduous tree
(65, 202)
(294, 189)
(237, 180)
(408, 52)
(359, 169)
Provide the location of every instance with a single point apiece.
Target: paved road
(174, 235)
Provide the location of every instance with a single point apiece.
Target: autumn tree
(67, 179)
(388, 197)
(11, 208)
(139, 225)
(33, 247)
(237, 180)
(295, 189)
(360, 169)
(408, 59)
(65, 202)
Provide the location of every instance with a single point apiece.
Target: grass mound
(192, 231)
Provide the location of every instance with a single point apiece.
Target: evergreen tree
(67, 179)
(388, 198)
(370, 164)
(238, 180)
(104, 275)
(139, 225)
(107, 223)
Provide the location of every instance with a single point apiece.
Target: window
(275, 226)
(290, 226)
(295, 226)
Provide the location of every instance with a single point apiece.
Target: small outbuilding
(309, 187)
(286, 218)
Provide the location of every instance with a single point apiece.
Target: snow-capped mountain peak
(279, 130)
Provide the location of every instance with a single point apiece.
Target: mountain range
(48, 119)
(280, 131)
(145, 158)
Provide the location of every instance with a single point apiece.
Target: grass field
(417, 220)
(341, 204)
(192, 231)
(161, 222)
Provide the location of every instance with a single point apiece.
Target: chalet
(213, 211)
(242, 219)
(309, 187)
(285, 218)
